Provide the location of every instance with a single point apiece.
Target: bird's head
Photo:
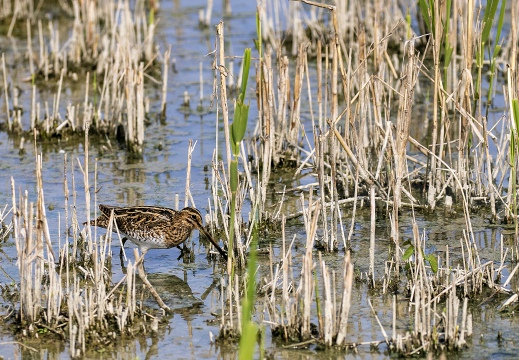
(193, 217)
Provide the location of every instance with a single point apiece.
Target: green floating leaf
(431, 259)
(408, 253)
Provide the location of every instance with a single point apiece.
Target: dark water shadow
(175, 292)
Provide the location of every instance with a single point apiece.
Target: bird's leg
(144, 278)
(122, 257)
(183, 250)
(121, 252)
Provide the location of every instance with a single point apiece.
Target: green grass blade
(515, 113)
(241, 115)
(426, 10)
(245, 75)
(488, 19)
(249, 328)
(500, 23)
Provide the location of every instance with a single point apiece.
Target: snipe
(154, 227)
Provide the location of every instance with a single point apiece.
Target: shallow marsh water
(192, 289)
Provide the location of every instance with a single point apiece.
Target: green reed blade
(249, 328)
(515, 113)
(488, 19)
(245, 75)
(426, 10)
(241, 115)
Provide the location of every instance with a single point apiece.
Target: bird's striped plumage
(154, 227)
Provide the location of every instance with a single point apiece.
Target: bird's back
(142, 224)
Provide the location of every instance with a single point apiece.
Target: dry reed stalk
(285, 319)
(85, 171)
(425, 335)
(122, 29)
(319, 155)
(231, 83)
(371, 272)
(126, 38)
(39, 299)
(513, 93)
(165, 71)
(433, 172)
(465, 88)
(204, 17)
(295, 115)
(88, 110)
(286, 279)
(306, 286)
(278, 141)
(295, 26)
(402, 134)
(378, 321)
(35, 110)
(188, 197)
(6, 95)
(201, 82)
(283, 84)
(134, 90)
(409, 80)
(230, 321)
(70, 298)
(214, 200)
(139, 263)
(266, 112)
(294, 309)
(17, 10)
(223, 90)
(326, 325)
(220, 180)
(236, 194)
(332, 239)
(342, 318)
(55, 105)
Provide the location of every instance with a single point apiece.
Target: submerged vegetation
(333, 104)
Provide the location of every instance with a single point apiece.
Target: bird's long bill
(207, 235)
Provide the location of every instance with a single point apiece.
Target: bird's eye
(194, 217)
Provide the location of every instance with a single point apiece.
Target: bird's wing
(139, 216)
